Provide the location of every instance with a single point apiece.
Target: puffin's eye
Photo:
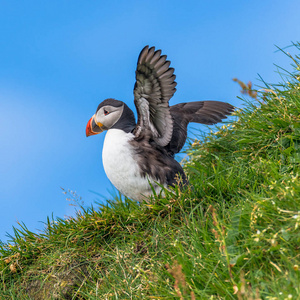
(106, 112)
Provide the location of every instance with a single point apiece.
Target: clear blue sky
(60, 59)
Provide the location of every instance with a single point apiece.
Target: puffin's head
(107, 115)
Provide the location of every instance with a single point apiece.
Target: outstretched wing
(155, 85)
(204, 112)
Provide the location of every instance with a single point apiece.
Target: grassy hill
(235, 234)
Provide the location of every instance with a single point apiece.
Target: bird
(138, 156)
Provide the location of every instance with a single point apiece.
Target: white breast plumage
(121, 168)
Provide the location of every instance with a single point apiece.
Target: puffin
(138, 156)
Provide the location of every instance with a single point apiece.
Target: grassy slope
(234, 235)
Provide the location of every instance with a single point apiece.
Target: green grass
(234, 234)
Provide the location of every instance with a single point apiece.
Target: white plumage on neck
(122, 169)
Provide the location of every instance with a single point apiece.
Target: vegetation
(233, 234)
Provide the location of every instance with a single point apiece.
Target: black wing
(155, 85)
(204, 112)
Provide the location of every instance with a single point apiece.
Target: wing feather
(163, 68)
(155, 57)
(160, 62)
(150, 54)
(168, 74)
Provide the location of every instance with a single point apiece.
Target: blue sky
(60, 59)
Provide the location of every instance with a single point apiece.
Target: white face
(107, 116)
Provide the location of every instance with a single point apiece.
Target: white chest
(121, 167)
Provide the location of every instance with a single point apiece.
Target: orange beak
(92, 128)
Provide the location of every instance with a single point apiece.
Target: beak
(92, 128)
